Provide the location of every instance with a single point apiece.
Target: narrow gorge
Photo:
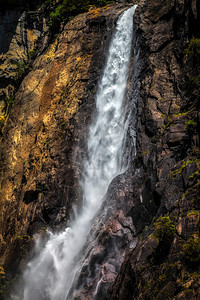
(99, 150)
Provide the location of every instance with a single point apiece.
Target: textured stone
(150, 271)
(43, 143)
(19, 35)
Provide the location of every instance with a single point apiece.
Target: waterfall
(50, 274)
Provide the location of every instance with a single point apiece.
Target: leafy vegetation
(164, 232)
(164, 229)
(21, 67)
(67, 9)
(191, 126)
(180, 169)
(192, 54)
(193, 213)
(193, 51)
(191, 251)
(31, 53)
(10, 100)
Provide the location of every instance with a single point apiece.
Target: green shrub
(192, 53)
(21, 67)
(31, 53)
(63, 12)
(191, 126)
(191, 252)
(164, 229)
(68, 9)
(193, 49)
(10, 100)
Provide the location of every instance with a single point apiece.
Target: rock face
(43, 142)
(151, 223)
(168, 158)
(22, 33)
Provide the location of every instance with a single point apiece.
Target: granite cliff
(165, 262)
(147, 245)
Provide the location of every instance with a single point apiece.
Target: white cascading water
(50, 274)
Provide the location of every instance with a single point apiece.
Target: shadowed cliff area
(165, 262)
(19, 4)
(7, 32)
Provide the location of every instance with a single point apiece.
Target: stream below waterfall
(50, 275)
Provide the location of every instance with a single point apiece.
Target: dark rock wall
(19, 4)
(23, 34)
(162, 265)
